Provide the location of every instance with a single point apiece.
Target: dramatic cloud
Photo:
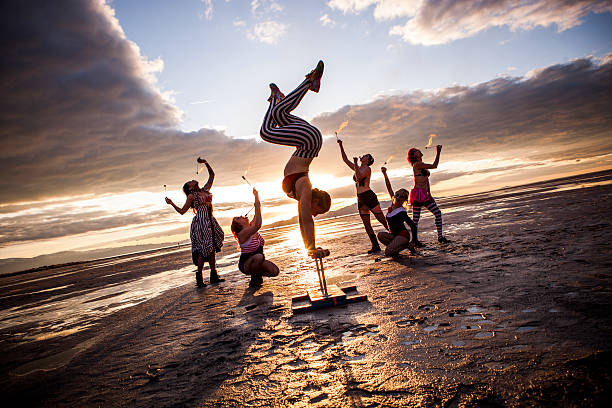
(81, 112)
(555, 113)
(441, 21)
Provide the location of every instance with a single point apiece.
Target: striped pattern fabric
(206, 233)
(280, 127)
(251, 244)
(433, 207)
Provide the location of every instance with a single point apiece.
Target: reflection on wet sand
(518, 281)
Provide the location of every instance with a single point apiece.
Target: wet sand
(516, 311)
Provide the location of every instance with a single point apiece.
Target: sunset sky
(104, 102)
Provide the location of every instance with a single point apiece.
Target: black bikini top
(360, 182)
(424, 173)
(289, 183)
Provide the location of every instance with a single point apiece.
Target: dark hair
(235, 227)
(412, 156)
(186, 189)
(323, 199)
(404, 191)
(371, 159)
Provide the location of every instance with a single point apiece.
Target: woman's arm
(211, 174)
(387, 182)
(434, 165)
(344, 157)
(186, 207)
(255, 224)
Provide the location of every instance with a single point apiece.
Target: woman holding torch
(206, 234)
(420, 195)
(366, 199)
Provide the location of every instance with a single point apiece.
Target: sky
(105, 102)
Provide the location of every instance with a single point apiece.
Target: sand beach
(515, 311)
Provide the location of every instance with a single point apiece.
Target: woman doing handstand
(280, 127)
(366, 198)
(206, 234)
(420, 195)
(252, 260)
(399, 238)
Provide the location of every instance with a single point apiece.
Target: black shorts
(245, 257)
(367, 199)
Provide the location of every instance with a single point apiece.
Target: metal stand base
(325, 296)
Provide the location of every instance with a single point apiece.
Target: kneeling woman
(252, 260)
(399, 238)
(283, 128)
(206, 233)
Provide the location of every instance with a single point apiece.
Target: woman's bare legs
(257, 266)
(395, 243)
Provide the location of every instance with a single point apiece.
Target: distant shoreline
(445, 202)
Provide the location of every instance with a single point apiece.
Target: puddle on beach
(62, 315)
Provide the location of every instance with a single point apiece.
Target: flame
(431, 136)
(388, 160)
(342, 126)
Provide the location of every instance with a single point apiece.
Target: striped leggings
(433, 207)
(280, 127)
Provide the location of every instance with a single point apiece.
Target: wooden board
(336, 296)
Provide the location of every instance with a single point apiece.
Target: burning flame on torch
(342, 126)
(388, 160)
(431, 136)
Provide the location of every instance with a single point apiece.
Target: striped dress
(206, 233)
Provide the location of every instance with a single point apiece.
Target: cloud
(239, 22)
(82, 113)
(557, 112)
(441, 21)
(208, 9)
(269, 32)
(326, 21)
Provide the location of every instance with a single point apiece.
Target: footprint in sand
(484, 335)
(410, 321)
(524, 329)
(427, 307)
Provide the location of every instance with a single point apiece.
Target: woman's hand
(255, 193)
(200, 160)
(319, 253)
(169, 201)
(439, 148)
(383, 169)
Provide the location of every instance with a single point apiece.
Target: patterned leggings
(280, 127)
(433, 207)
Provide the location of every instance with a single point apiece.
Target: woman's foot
(214, 278)
(256, 281)
(443, 240)
(418, 244)
(315, 76)
(275, 93)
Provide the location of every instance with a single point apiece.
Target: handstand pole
(321, 274)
